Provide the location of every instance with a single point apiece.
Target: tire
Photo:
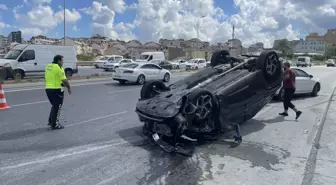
(316, 89)
(141, 79)
(177, 67)
(196, 68)
(219, 57)
(68, 73)
(166, 77)
(147, 90)
(18, 73)
(271, 66)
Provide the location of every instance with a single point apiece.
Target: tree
(283, 45)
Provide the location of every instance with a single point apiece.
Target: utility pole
(64, 23)
(198, 27)
(233, 36)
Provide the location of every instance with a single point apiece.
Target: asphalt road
(102, 142)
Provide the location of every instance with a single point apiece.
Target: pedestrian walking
(55, 81)
(289, 89)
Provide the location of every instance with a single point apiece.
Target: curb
(309, 171)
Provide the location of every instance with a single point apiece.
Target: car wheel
(18, 74)
(270, 64)
(166, 77)
(152, 88)
(177, 67)
(316, 89)
(141, 79)
(219, 57)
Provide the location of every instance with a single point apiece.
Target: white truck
(31, 59)
(303, 61)
(148, 56)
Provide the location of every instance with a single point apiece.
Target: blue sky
(84, 24)
(150, 20)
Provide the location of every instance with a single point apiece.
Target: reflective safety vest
(54, 75)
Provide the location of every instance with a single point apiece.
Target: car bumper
(127, 77)
(331, 65)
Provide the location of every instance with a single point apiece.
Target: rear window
(130, 65)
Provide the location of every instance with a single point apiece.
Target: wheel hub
(204, 106)
(271, 64)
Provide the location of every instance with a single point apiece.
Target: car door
(27, 62)
(147, 70)
(182, 64)
(303, 82)
(201, 64)
(155, 71)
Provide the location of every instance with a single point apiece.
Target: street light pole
(198, 27)
(64, 22)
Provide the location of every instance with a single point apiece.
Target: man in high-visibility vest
(55, 81)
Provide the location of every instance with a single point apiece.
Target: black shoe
(57, 127)
(298, 114)
(238, 139)
(283, 114)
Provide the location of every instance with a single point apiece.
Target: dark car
(209, 102)
(166, 65)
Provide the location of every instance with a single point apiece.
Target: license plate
(155, 137)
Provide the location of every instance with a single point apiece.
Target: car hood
(5, 61)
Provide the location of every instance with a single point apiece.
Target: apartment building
(310, 46)
(15, 36)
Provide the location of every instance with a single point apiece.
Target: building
(328, 38)
(3, 41)
(171, 43)
(257, 47)
(43, 40)
(81, 47)
(15, 36)
(310, 46)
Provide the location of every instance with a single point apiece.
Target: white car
(100, 63)
(305, 84)
(140, 73)
(196, 63)
(113, 64)
(330, 62)
(179, 64)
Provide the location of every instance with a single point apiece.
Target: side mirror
(311, 76)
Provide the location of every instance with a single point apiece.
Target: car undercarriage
(210, 102)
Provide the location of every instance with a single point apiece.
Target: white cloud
(30, 32)
(103, 22)
(70, 16)
(3, 7)
(118, 6)
(75, 28)
(42, 16)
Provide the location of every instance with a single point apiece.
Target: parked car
(303, 61)
(208, 63)
(197, 63)
(100, 63)
(163, 63)
(305, 84)
(208, 102)
(111, 65)
(140, 73)
(331, 62)
(179, 64)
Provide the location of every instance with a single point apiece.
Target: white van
(303, 61)
(31, 59)
(148, 56)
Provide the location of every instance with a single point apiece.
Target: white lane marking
(74, 85)
(49, 159)
(31, 103)
(97, 118)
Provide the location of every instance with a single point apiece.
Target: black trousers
(55, 97)
(288, 95)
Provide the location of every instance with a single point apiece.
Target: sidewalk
(325, 171)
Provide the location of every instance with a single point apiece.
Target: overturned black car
(209, 102)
